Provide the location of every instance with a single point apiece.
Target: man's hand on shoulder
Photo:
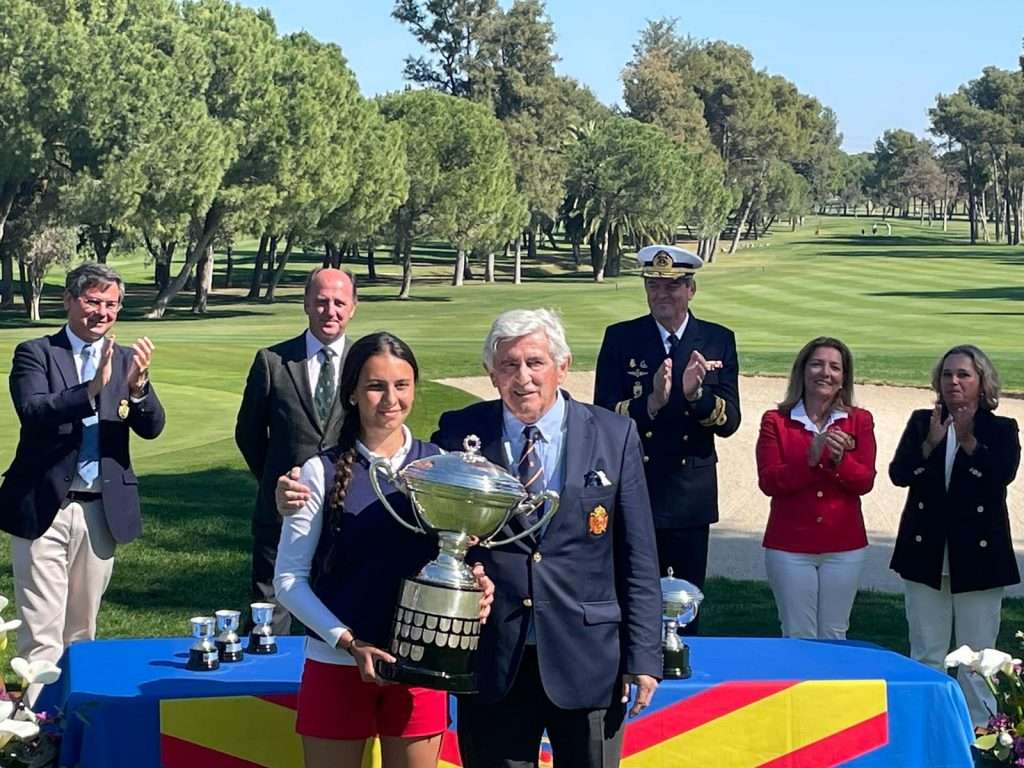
(290, 495)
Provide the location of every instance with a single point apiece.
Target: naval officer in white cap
(676, 376)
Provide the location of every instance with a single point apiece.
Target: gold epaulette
(718, 416)
(622, 407)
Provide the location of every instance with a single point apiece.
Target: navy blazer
(51, 404)
(679, 451)
(593, 594)
(971, 517)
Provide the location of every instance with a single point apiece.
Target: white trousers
(59, 580)
(934, 614)
(814, 593)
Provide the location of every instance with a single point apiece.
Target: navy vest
(364, 553)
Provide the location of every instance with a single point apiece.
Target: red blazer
(814, 509)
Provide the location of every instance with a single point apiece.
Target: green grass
(899, 302)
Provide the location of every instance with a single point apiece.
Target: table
(750, 702)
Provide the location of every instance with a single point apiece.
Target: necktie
(324, 397)
(89, 451)
(673, 342)
(530, 468)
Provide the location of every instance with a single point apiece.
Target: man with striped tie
(576, 619)
(290, 411)
(70, 495)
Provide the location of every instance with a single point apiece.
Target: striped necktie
(530, 468)
(89, 450)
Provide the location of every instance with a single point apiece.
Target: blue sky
(878, 64)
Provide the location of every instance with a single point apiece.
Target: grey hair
(89, 274)
(522, 322)
(988, 390)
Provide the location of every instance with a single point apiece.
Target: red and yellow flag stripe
(776, 724)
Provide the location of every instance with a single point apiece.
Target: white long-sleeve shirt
(300, 535)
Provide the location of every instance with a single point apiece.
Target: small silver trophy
(261, 639)
(229, 646)
(680, 601)
(202, 656)
(459, 496)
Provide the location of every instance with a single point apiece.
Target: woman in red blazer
(815, 459)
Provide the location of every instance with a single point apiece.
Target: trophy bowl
(463, 499)
(680, 601)
(261, 638)
(229, 646)
(202, 656)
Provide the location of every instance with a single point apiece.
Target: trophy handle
(528, 506)
(383, 466)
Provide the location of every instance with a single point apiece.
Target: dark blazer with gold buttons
(970, 517)
(589, 583)
(679, 443)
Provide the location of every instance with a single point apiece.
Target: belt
(84, 496)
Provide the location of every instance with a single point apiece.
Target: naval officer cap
(668, 261)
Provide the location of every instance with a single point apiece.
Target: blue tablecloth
(111, 692)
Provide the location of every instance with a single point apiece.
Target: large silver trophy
(460, 496)
(680, 601)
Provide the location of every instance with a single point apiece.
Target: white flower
(17, 729)
(42, 672)
(1005, 739)
(4, 602)
(6, 708)
(962, 657)
(7, 626)
(991, 661)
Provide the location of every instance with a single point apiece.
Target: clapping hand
(142, 357)
(104, 369)
(693, 375)
(662, 387)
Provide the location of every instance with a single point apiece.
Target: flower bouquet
(1002, 740)
(22, 745)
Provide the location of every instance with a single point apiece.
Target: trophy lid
(679, 591)
(466, 470)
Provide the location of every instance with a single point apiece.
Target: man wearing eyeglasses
(676, 377)
(70, 495)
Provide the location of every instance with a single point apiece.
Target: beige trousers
(59, 580)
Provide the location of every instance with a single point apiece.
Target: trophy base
(421, 677)
(261, 645)
(435, 635)
(677, 664)
(229, 653)
(202, 661)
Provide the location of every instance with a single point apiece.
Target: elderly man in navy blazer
(576, 619)
(676, 376)
(70, 495)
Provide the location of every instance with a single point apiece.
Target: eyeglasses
(662, 283)
(95, 305)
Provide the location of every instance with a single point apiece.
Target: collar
(77, 344)
(314, 345)
(548, 425)
(399, 457)
(678, 333)
(799, 413)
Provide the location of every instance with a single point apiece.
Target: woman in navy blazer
(954, 549)
(815, 459)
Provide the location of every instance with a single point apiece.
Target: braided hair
(380, 343)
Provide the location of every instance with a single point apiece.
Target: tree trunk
(6, 277)
(371, 261)
(204, 281)
(102, 243)
(489, 267)
(613, 260)
(257, 268)
(531, 243)
(406, 267)
(282, 263)
(8, 191)
(983, 215)
(214, 217)
(740, 223)
(517, 263)
(600, 254)
(460, 267)
(229, 265)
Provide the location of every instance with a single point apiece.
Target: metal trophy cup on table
(680, 601)
(261, 639)
(458, 496)
(229, 646)
(202, 656)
